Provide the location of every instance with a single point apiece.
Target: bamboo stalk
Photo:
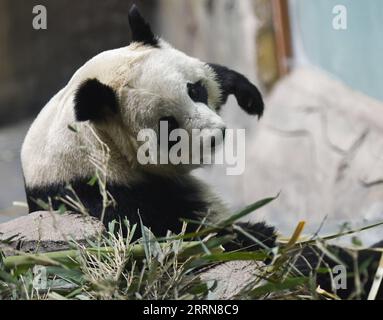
(377, 281)
(70, 258)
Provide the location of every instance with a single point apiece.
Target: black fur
(197, 92)
(161, 203)
(261, 231)
(141, 31)
(231, 82)
(264, 233)
(94, 101)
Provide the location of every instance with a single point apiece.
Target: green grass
(114, 267)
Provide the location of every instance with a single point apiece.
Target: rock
(45, 231)
(321, 144)
(231, 277)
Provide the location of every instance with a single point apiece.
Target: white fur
(150, 83)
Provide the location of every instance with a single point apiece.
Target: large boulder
(232, 277)
(321, 144)
(45, 231)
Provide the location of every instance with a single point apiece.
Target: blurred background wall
(35, 64)
(354, 54)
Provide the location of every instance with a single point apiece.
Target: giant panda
(116, 94)
(110, 99)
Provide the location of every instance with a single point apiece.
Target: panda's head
(138, 87)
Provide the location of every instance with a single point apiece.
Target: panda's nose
(223, 133)
(214, 138)
(172, 123)
(213, 141)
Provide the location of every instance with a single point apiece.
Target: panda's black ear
(94, 101)
(231, 82)
(141, 31)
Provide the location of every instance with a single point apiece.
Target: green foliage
(114, 267)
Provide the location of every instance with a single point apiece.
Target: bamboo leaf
(251, 208)
(224, 224)
(273, 287)
(236, 256)
(70, 258)
(342, 234)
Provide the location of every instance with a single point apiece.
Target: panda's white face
(170, 85)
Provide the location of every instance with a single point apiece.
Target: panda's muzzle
(172, 125)
(169, 124)
(214, 141)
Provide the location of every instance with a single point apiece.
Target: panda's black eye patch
(197, 92)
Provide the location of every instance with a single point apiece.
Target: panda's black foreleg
(251, 236)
